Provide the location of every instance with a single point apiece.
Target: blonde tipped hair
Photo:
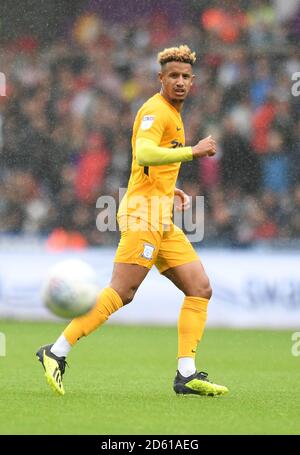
(177, 54)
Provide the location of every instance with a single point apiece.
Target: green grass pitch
(120, 382)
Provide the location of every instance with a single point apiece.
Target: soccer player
(148, 235)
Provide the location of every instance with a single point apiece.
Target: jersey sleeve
(152, 125)
(150, 154)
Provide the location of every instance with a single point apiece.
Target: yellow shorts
(163, 248)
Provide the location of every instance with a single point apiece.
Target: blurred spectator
(239, 165)
(275, 165)
(295, 219)
(261, 123)
(226, 24)
(262, 83)
(91, 168)
(62, 239)
(262, 21)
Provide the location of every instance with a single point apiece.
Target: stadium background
(75, 80)
(76, 74)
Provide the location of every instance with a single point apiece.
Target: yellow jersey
(150, 192)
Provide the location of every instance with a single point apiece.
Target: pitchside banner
(250, 289)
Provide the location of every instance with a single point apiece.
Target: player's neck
(177, 104)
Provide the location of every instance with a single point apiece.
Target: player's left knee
(207, 292)
(203, 289)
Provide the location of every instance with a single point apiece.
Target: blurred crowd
(66, 122)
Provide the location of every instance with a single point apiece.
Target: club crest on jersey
(147, 122)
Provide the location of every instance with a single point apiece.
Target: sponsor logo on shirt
(176, 144)
(147, 122)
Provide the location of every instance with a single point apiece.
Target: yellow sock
(108, 302)
(191, 325)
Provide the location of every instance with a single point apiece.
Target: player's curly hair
(176, 54)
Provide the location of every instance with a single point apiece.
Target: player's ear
(160, 76)
(192, 79)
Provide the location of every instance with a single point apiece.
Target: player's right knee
(208, 292)
(201, 289)
(127, 295)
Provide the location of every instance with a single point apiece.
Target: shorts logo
(147, 122)
(148, 251)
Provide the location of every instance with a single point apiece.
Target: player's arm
(205, 147)
(148, 153)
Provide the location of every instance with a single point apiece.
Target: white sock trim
(186, 366)
(61, 347)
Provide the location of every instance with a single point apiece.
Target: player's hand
(182, 200)
(205, 147)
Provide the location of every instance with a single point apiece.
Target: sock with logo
(191, 325)
(108, 302)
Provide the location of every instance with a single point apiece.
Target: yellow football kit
(148, 235)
